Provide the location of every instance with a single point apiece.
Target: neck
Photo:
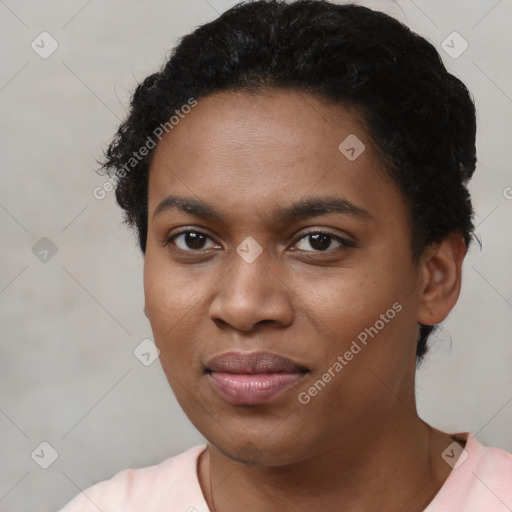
(397, 466)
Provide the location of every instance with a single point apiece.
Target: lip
(250, 378)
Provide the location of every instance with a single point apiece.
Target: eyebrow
(311, 207)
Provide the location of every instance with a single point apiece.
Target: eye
(191, 241)
(319, 241)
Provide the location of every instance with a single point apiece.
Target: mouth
(250, 378)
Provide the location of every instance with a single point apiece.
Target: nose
(252, 294)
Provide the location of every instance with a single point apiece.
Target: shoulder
(491, 482)
(147, 488)
(482, 480)
(495, 470)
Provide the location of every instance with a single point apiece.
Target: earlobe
(442, 272)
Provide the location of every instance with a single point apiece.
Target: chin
(247, 453)
(251, 452)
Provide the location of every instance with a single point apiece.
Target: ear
(441, 271)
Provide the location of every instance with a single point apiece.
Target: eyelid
(344, 241)
(324, 231)
(187, 229)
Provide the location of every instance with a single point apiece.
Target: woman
(296, 174)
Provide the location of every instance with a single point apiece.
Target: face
(290, 254)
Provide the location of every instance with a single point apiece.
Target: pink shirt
(480, 481)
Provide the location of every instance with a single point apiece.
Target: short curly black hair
(420, 117)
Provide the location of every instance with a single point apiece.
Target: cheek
(370, 302)
(170, 291)
(166, 299)
(349, 298)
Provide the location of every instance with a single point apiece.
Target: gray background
(69, 325)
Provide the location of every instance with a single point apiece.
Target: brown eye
(321, 242)
(191, 241)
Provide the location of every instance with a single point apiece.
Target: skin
(360, 441)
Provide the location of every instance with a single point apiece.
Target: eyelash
(343, 241)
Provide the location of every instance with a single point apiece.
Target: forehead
(253, 152)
